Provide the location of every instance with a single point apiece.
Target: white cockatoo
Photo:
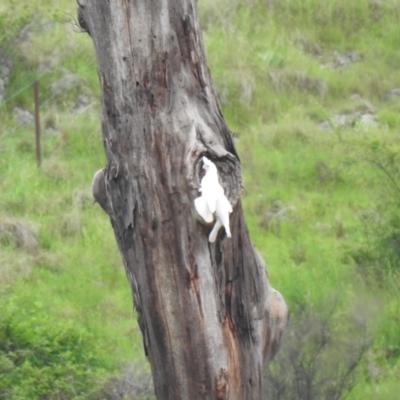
(213, 201)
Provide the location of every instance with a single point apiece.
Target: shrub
(378, 254)
(319, 356)
(131, 383)
(44, 359)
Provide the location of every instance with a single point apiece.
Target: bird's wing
(224, 203)
(203, 209)
(211, 199)
(222, 212)
(209, 191)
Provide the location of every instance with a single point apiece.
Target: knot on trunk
(81, 17)
(100, 192)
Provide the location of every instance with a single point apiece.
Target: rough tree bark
(209, 318)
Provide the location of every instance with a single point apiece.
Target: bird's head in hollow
(208, 165)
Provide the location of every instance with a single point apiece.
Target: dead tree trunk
(209, 318)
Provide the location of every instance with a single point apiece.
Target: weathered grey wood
(209, 318)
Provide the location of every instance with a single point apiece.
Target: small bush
(44, 359)
(318, 358)
(379, 253)
(132, 383)
(18, 233)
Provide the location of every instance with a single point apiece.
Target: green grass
(275, 66)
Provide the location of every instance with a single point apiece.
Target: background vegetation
(311, 91)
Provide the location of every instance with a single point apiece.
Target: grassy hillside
(311, 92)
